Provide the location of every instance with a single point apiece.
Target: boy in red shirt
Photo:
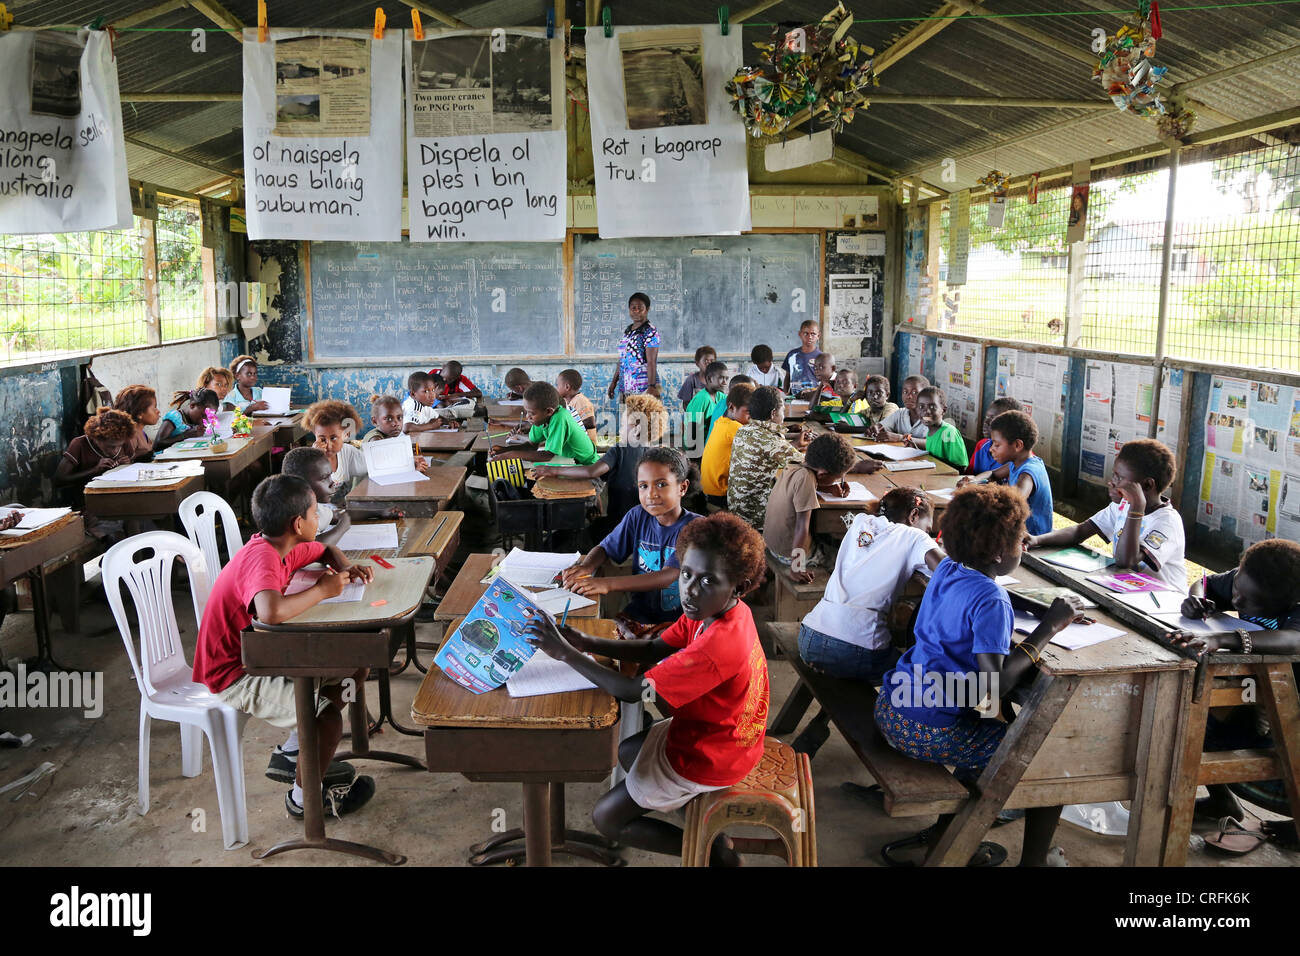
(455, 383)
(709, 671)
(284, 508)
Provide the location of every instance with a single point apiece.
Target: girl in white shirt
(335, 424)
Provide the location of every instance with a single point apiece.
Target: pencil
(498, 435)
(566, 611)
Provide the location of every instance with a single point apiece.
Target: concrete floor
(85, 813)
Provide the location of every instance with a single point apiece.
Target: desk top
(260, 442)
(441, 702)
(443, 483)
(467, 588)
(458, 440)
(401, 589)
(187, 485)
(277, 421)
(415, 536)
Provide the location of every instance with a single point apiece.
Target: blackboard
(729, 292)
(398, 300)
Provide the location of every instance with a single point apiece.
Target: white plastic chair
(143, 564)
(199, 513)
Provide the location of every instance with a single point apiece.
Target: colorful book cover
(1129, 582)
(489, 645)
(853, 421)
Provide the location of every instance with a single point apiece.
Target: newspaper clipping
(462, 87)
(322, 87)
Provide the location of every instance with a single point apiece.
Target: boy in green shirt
(563, 436)
(699, 410)
(944, 441)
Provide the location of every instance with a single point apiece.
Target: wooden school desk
(1217, 684)
(221, 469)
(458, 440)
(541, 742)
(1100, 723)
(468, 587)
(286, 430)
(334, 640)
(514, 414)
(415, 499)
(120, 500)
(25, 556)
(830, 513)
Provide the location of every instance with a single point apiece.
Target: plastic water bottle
(1109, 819)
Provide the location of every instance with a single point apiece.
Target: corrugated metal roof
(970, 57)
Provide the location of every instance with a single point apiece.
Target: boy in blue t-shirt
(649, 531)
(963, 663)
(1012, 439)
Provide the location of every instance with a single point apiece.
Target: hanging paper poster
(485, 140)
(62, 155)
(670, 154)
(915, 354)
(1117, 409)
(959, 238)
(323, 135)
(1041, 382)
(959, 371)
(850, 304)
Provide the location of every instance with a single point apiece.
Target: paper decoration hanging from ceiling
(62, 155)
(669, 151)
(486, 156)
(323, 135)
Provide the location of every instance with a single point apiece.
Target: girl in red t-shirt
(707, 669)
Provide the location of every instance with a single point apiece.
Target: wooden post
(152, 305)
(1162, 315)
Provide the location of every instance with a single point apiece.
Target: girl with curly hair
(103, 446)
(335, 424)
(708, 667)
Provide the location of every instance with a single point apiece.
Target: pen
(1153, 598)
(566, 611)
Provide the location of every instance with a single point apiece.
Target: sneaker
(338, 800)
(284, 766)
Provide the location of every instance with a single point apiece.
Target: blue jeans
(837, 658)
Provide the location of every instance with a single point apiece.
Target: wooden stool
(777, 794)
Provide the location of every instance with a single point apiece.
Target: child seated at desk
(879, 407)
(705, 356)
(284, 509)
(939, 703)
(708, 668)
(516, 382)
(184, 420)
(648, 532)
(1140, 522)
(787, 525)
(758, 453)
(387, 417)
(942, 439)
(698, 413)
(220, 381)
(761, 370)
(334, 424)
(905, 421)
(1014, 435)
(246, 395)
(569, 384)
(823, 390)
(720, 406)
(311, 465)
(104, 445)
(141, 403)
(454, 384)
(562, 436)
(846, 401)
(1263, 589)
(715, 466)
(419, 412)
(981, 459)
(644, 422)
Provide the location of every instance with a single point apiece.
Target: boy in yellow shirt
(716, 463)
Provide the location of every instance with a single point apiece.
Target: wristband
(1135, 514)
(1247, 645)
(1024, 646)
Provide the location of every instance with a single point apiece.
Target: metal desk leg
(357, 719)
(304, 693)
(537, 824)
(44, 659)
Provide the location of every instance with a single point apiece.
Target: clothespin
(724, 20)
(263, 31)
(550, 23)
(416, 26)
(6, 18)
(607, 19)
(96, 24)
(380, 20)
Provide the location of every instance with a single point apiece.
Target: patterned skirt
(969, 744)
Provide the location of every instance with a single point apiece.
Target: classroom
(574, 371)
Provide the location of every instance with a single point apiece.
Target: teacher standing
(638, 354)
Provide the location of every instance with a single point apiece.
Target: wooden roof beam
(214, 11)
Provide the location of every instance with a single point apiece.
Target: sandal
(987, 854)
(1237, 837)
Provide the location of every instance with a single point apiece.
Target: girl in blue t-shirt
(185, 418)
(649, 533)
(937, 703)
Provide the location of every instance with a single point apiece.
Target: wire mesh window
(1016, 273)
(71, 292)
(180, 270)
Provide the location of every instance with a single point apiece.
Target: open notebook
(391, 461)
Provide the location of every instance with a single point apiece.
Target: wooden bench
(790, 599)
(911, 787)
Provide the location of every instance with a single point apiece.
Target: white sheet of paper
(545, 675)
(1214, 624)
(303, 579)
(1005, 580)
(277, 399)
(1166, 602)
(391, 461)
(32, 518)
(553, 601)
(536, 569)
(944, 493)
(893, 452)
(857, 492)
(1073, 636)
(511, 401)
(908, 465)
(135, 470)
(368, 537)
